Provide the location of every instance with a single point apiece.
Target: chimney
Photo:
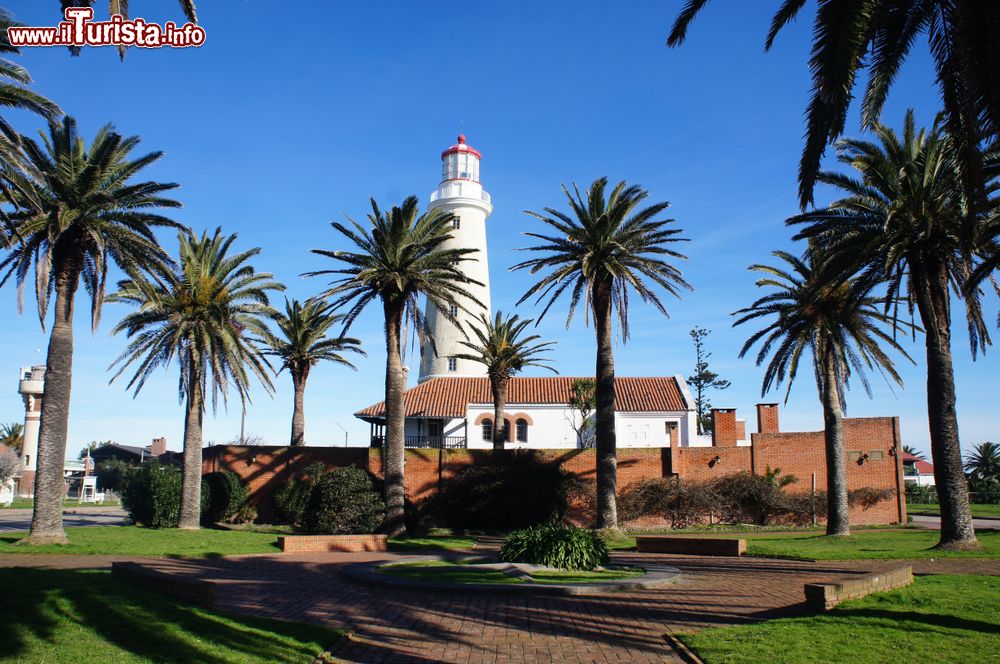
(767, 418)
(723, 427)
(158, 447)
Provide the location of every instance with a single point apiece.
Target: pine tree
(703, 379)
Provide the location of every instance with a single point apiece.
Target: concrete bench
(825, 596)
(195, 591)
(692, 546)
(332, 543)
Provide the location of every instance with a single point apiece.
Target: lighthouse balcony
(28, 386)
(458, 189)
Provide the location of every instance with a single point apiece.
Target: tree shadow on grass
(923, 620)
(69, 615)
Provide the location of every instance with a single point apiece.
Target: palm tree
(983, 463)
(499, 346)
(75, 210)
(814, 310)
(605, 249)
(849, 37)
(401, 255)
(905, 219)
(12, 435)
(14, 93)
(204, 313)
(303, 343)
(914, 452)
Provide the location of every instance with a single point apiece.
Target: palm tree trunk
(299, 413)
(191, 481)
(837, 512)
(604, 396)
(50, 484)
(499, 401)
(934, 305)
(395, 489)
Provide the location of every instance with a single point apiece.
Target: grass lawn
(937, 619)
(430, 542)
(863, 544)
(449, 572)
(930, 509)
(88, 616)
(28, 503)
(135, 541)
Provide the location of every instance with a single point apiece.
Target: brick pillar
(723, 427)
(767, 418)
(158, 447)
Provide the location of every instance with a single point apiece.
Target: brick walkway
(393, 625)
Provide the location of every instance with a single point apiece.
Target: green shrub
(344, 501)
(226, 497)
(111, 474)
(292, 499)
(151, 495)
(916, 493)
(555, 545)
(681, 503)
(750, 498)
(512, 489)
(985, 492)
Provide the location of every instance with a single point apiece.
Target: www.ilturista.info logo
(79, 29)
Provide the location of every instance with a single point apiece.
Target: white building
(452, 406)
(458, 413)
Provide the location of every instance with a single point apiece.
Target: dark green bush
(749, 498)
(555, 545)
(111, 474)
(916, 493)
(984, 492)
(344, 501)
(292, 499)
(512, 489)
(682, 503)
(227, 496)
(151, 495)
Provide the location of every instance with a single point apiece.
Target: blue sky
(287, 120)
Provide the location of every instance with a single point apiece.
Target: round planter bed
(480, 575)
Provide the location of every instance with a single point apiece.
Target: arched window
(521, 430)
(488, 430)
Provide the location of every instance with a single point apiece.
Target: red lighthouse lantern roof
(461, 146)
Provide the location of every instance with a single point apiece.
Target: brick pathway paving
(409, 626)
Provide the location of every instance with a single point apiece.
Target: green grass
(28, 503)
(930, 509)
(937, 619)
(89, 616)
(882, 544)
(430, 542)
(450, 572)
(135, 541)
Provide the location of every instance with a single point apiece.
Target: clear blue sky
(286, 120)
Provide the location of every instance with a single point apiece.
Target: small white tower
(461, 194)
(30, 387)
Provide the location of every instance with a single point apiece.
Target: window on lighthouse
(452, 364)
(456, 222)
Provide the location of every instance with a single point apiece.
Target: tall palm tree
(499, 346)
(877, 35)
(401, 255)
(604, 248)
(14, 93)
(303, 343)
(813, 309)
(76, 208)
(203, 314)
(12, 435)
(906, 220)
(983, 462)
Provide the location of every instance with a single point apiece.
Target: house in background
(133, 454)
(917, 471)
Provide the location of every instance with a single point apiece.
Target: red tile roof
(449, 397)
(922, 467)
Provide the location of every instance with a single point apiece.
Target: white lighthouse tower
(30, 387)
(461, 194)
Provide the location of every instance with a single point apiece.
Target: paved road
(20, 519)
(934, 523)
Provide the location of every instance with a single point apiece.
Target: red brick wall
(724, 432)
(767, 418)
(800, 454)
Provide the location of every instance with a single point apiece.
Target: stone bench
(195, 591)
(692, 546)
(825, 596)
(332, 543)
